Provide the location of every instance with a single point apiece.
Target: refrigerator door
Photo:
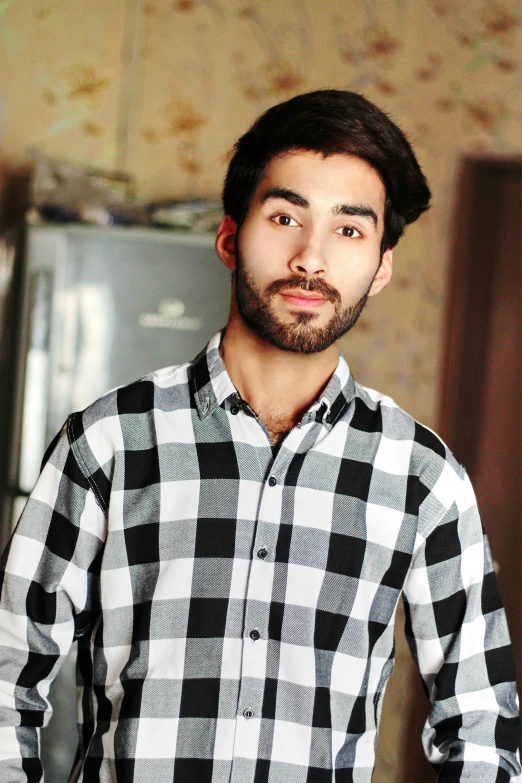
(104, 307)
(131, 301)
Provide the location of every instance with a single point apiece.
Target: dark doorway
(480, 410)
(481, 384)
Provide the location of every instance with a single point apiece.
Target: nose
(309, 258)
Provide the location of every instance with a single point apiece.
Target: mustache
(315, 284)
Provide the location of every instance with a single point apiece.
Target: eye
(349, 231)
(284, 220)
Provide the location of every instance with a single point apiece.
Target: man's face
(308, 253)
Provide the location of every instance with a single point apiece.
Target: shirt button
(248, 713)
(262, 553)
(254, 634)
(272, 481)
(234, 410)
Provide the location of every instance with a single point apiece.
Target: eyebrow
(288, 195)
(357, 210)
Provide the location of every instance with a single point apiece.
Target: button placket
(246, 738)
(258, 599)
(255, 645)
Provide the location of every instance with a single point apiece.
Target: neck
(278, 385)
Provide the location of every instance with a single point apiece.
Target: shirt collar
(211, 385)
(339, 392)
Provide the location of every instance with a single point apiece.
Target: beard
(301, 335)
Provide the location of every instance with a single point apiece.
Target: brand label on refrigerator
(170, 315)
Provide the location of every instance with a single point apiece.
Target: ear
(383, 274)
(225, 242)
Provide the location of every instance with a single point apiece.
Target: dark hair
(331, 122)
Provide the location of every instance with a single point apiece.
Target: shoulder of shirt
(436, 480)
(428, 448)
(96, 433)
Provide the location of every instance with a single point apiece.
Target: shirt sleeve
(47, 579)
(457, 632)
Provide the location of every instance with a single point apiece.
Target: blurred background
(158, 91)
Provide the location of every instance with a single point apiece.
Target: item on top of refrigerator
(113, 215)
(65, 192)
(200, 215)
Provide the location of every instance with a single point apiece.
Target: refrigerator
(82, 310)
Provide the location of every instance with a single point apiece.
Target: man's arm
(457, 631)
(46, 577)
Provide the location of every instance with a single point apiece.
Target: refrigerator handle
(36, 387)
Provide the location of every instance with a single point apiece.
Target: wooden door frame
(459, 379)
(468, 316)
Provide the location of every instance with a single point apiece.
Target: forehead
(334, 178)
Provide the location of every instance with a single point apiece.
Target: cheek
(355, 281)
(263, 252)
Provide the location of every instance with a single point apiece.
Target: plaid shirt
(234, 604)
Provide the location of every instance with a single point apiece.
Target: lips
(302, 298)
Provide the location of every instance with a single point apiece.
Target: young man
(228, 539)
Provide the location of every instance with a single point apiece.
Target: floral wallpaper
(162, 88)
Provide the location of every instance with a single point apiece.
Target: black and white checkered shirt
(234, 605)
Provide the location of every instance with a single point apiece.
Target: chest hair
(277, 427)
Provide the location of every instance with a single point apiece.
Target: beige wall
(163, 88)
